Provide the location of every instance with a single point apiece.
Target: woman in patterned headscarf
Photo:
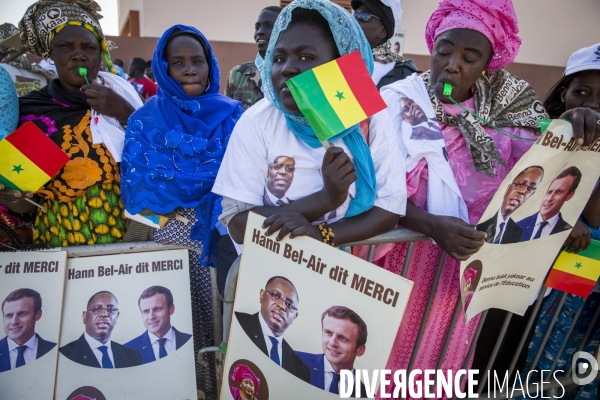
(276, 165)
(85, 116)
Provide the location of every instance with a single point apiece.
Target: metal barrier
(400, 235)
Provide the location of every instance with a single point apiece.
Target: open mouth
(261, 41)
(16, 329)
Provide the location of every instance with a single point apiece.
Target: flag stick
(34, 203)
(326, 144)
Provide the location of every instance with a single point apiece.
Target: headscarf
(388, 11)
(45, 18)
(495, 19)
(348, 37)
(241, 372)
(174, 146)
(500, 98)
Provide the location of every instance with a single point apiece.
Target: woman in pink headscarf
(246, 380)
(455, 162)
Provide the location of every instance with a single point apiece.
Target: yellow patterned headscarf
(45, 18)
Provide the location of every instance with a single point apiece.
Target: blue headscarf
(348, 37)
(174, 146)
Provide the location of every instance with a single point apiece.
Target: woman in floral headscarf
(85, 117)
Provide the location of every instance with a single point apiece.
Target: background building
(550, 29)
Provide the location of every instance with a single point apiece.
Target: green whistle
(83, 72)
(447, 89)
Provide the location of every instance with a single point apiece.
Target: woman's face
(72, 48)
(247, 386)
(459, 57)
(299, 48)
(584, 91)
(187, 63)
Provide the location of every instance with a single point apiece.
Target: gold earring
(483, 72)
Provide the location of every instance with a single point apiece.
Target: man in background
(244, 80)
(144, 86)
(160, 338)
(21, 309)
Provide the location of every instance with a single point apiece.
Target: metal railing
(400, 235)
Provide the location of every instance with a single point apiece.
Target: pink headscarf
(495, 19)
(242, 372)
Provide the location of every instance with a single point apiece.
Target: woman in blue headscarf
(174, 145)
(351, 191)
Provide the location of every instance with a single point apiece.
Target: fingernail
(584, 148)
(580, 141)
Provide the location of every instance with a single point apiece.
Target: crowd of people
(201, 160)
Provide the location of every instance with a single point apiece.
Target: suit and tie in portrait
(160, 339)
(343, 338)
(548, 220)
(95, 348)
(500, 228)
(279, 179)
(21, 309)
(279, 302)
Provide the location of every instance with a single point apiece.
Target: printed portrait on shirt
(280, 177)
(423, 128)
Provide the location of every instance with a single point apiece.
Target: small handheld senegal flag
(336, 95)
(576, 273)
(29, 159)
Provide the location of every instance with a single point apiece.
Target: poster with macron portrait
(528, 221)
(304, 312)
(126, 330)
(31, 293)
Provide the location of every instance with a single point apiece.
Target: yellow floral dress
(83, 201)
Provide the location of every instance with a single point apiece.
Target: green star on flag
(578, 265)
(17, 169)
(340, 95)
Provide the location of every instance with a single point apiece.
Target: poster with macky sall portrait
(126, 328)
(31, 292)
(527, 222)
(303, 312)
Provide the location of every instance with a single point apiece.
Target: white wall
(550, 30)
(221, 20)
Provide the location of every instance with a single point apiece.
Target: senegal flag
(576, 273)
(29, 159)
(336, 95)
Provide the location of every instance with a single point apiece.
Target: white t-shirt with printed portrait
(262, 144)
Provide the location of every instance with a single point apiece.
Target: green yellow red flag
(29, 159)
(576, 273)
(336, 95)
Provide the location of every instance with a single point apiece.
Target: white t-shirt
(262, 147)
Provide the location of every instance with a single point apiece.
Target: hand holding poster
(305, 311)
(527, 222)
(31, 293)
